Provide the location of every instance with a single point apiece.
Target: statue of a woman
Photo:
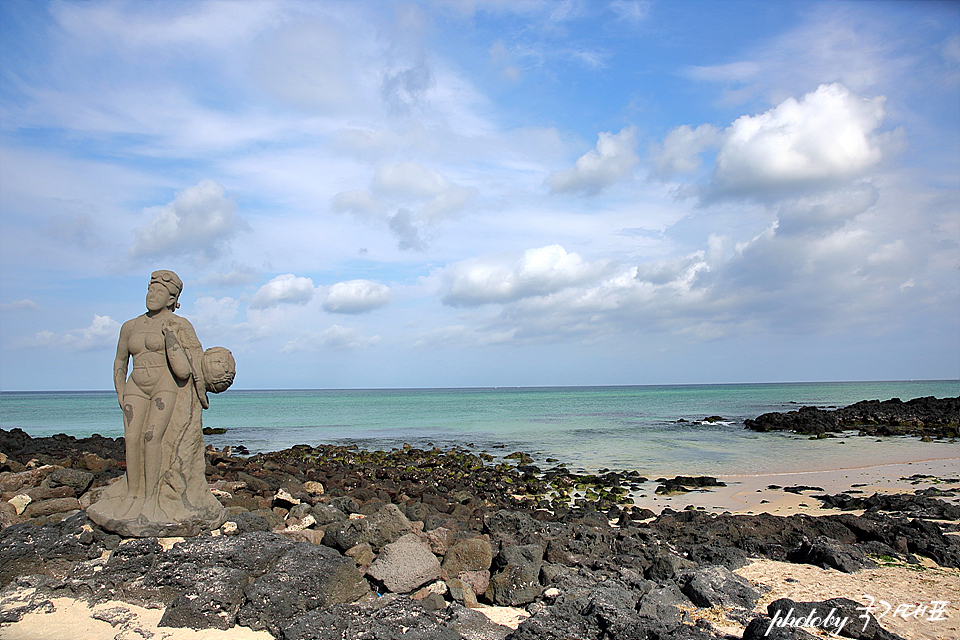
(164, 491)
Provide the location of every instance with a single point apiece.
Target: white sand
(74, 620)
(746, 494)
(898, 585)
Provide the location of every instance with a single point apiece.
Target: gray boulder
(253, 552)
(716, 585)
(472, 554)
(50, 549)
(305, 578)
(77, 480)
(325, 514)
(381, 528)
(662, 604)
(404, 565)
(666, 565)
(211, 603)
(830, 554)
(518, 580)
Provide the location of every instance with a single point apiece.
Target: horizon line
(532, 386)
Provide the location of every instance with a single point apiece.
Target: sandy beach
(749, 494)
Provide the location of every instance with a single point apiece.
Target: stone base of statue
(178, 509)
(141, 527)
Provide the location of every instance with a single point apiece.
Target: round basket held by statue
(219, 369)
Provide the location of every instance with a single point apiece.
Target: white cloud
(731, 72)
(825, 138)
(356, 201)
(214, 313)
(680, 152)
(408, 179)
(240, 275)
(335, 338)
(827, 212)
(311, 65)
(421, 197)
(20, 305)
(200, 219)
(356, 296)
(284, 289)
(406, 231)
(612, 161)
(101, 334)
(501, 279)
(412, 182)
(633, 11)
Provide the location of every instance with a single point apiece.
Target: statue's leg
(134, 415)
(159, 410)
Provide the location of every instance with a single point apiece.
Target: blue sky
(483, 192)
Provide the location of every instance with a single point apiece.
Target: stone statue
(164, 491)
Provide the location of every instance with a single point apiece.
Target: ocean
(654, 429)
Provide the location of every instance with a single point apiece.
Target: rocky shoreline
(337, 542)
(926, 417)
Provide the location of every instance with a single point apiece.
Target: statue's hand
(170, 338)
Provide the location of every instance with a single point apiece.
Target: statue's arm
(121, 361)
(176, 356)
(194, 352)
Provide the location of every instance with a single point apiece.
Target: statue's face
(158, 297)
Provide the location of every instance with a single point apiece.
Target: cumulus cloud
(200, 219)
(825, 138)
(20, 305)
(680, 152)
(356, 296)
(502, 279)
(612, 161)
(824, 213)
(284, 289)
(101, 334)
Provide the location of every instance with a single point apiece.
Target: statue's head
(163, 291)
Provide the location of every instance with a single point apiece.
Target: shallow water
(624, 427)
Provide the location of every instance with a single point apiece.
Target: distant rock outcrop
(926, 417)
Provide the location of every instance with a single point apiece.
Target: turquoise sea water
(623, 427)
